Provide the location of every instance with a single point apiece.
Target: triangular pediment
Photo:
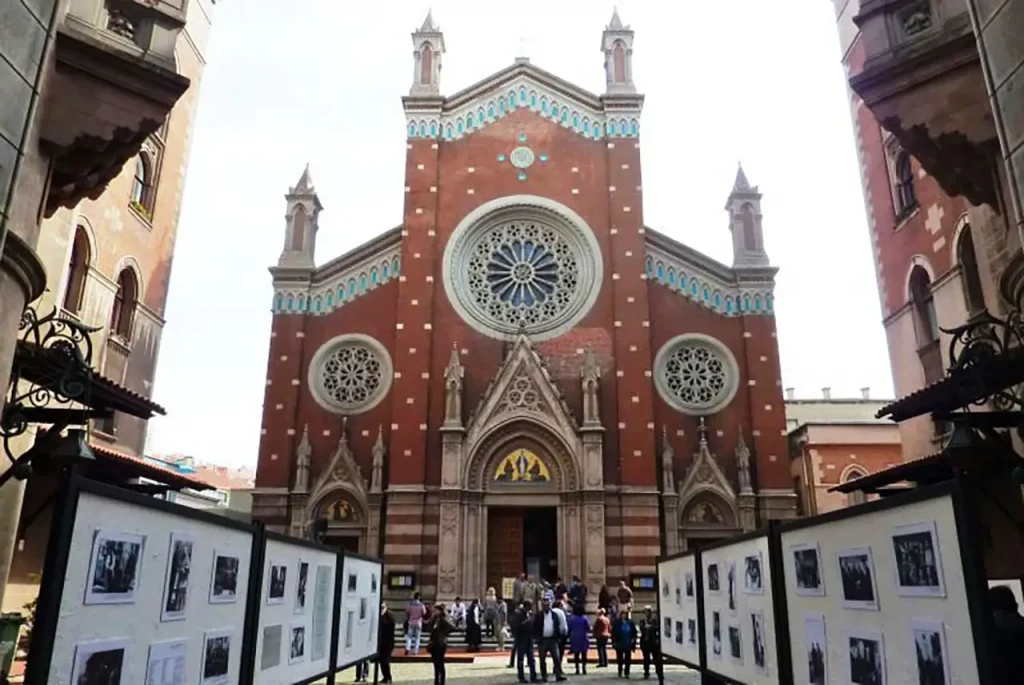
(342, 473)
(705, 477)
(522, 389)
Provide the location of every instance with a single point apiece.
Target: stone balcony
(114, 83)
(922, 79)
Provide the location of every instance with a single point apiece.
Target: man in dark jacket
(1008, 638)
(514, 618)
(650, 643)
(521, 627)
(624, 640)
(385, 642)
(577, 592)
(548, 628)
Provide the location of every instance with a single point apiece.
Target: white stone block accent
(291, 431)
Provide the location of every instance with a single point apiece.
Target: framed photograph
(300, 587)
(730, 577)
(714, 586)
(759, 642)
(167, 663)
(716, 634)
(352, 582)
(179, 568)
(216, 656)
(810, 582)
(753, 576)
(735, 643)
(689, 585)
(363, 608)
(929, 639)
(270, 656)
(691, 631)
(115, 568)
(668, 628)
(350, 627)
(679, 632)
(817, 649)
(867, 659)
(224, 577)
(917, 563)
(100, 662)
(277, 582)
(373, 583)
(857, 576)
(679, 596)
(664, 588)
(297, 643)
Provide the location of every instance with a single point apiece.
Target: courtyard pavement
(491, 670)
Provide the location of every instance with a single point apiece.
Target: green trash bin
(10, 629)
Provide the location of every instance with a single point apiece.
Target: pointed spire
(454, 368)
(343, 440)
(378, 444)
(616, 23)
(702, 431)
(743, 464)
(305, 183)
(741, 184)
(428, 24)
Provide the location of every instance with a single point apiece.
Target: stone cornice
(24, 265)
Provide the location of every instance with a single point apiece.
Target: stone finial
(302, 459)
(668, 456)
(428, 48)
(743, 465)
(741, 183)
(377, 474)
(428, 25)
(305, 184)
(616, 23)
(590, 374)
(702, 432)
(617, 45)
(453, 375)
(744, 207)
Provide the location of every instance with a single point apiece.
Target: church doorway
(521, 539)
(348, 543)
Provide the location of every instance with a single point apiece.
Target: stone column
(374, 501)
(474, 549)
(594, 556)
(670, 521)
(449, 549)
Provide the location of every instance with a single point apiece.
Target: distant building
(832, 441)
(230, 489)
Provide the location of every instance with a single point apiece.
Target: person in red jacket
(602, 629)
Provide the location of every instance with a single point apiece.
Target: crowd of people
(540, 621)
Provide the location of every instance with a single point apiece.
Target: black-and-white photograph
(216, 657)
(350, 624)
(679, 632)
(224, 579)
(817, 649)
(730, 578)
(373, 583)
(270, 655)
(664, 588)
(716, 634)
(179, 568)
(916, 557)
(352, 582)
(930, 644)
(735, 643)
(277, 582)
(691, 632)
(689, 585)
(297, 643)
(679, 596)
(668, 628)
(100, 663)
(753, 578)
(115, 569)
(807, 570)
(300, 587)
(713, 582)
(759, 641)
(363, 608)
(857, 573)
(867, 659)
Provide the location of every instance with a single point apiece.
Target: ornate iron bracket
(980, 343)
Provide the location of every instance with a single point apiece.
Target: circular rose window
(350, 374)
(696, 374)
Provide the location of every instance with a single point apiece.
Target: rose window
(350, 374)
(696, 374)
(533, 274)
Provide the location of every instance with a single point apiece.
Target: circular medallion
(350, 374)
(696, 374)
(522, 264)
(521, 157)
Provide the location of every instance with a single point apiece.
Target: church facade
(522, 375)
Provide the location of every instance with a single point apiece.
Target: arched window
(925, 322)
(857, 496)
(974, 296)
(123, 313)
(426, 65)
(298, 238)
(749, 227)
(905, 198)
(619, 62)
(78, 268)
(142, 185)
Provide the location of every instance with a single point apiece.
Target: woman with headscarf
(473, 632)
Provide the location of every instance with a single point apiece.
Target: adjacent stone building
(522, 375)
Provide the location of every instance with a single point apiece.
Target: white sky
(725, 81)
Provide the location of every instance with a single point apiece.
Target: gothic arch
(531, 433)
(917, 260)
(129, 262)
(331, 493)
(717, 499)
(850, 470)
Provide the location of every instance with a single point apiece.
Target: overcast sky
(319, 81)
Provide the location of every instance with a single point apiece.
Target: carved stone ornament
(668, 456)
(705, 488)
(377, 476)
(453, 375)
(743, 465)
(342, 473)
(590, 374)
(302, 458)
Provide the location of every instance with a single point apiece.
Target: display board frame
(344, 603)
(286, 614)
(137, 566)
(906, 604)
(687, 562)
(769, 604)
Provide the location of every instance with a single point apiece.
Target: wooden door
(504, 546)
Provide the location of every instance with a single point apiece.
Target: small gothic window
(974, 296)
(925, 321)
(142, 185)
(78, 268)
(749, 227)
(298, 229)
(426, 65)
(857, 496)
(123, 313)
(619, 62)
(905, 198)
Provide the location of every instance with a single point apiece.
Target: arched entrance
(706, 518)
(346, 521)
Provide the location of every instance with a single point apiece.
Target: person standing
(523, 636)
(602, 630)
(473, 631)
(558, 608)
(604, 599)
(385, 642)
(577, 592)
(439, 627)
(1008, 651)
(513, 628)
(560, 588)
(518, 590)
(415, 614)
(490, 610)
(548, 627)
(624, 595)
(500, 623)
(624, 641)
(579, 637)
(650, 642)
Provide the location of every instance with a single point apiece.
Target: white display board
(739, 614)
(139, 596)
(678, 590)
(361, 580)
(296, 612)
(877, 594)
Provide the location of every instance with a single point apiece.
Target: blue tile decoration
(341, 290)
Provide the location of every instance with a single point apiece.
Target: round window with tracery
(522, 269)
(696, 374)
(350, 374)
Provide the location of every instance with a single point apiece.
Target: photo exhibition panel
(153, 595)
(879, 597)
(296, 612)
(360, 610)
(739, 617)
(677, 581)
